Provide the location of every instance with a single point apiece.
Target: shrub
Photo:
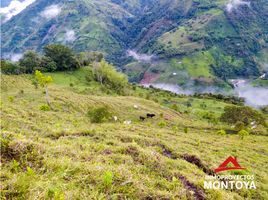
(245, 114)
(175, 129)
(239, 126)
(243, 133)
(11, 99)
(8, 67)
(185, 129)
(99, 115)
(107, 179)
(210, 116)
(175, 107)
(162, 124)
(221, 132)
(44, 107)
(106, 74)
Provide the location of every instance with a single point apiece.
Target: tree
(106, 74)
(47, 65)
(8, 67)
(63, 56)
(244, 114)
(86, 58)
(43, 81)
(29, 62)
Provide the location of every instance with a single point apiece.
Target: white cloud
(14, 8)
(234, 4)
(16, 57)
(254, 96)
(51, 11)
(139, 57)
(70, 36)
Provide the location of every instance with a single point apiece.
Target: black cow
(150, 115)
(142, 118)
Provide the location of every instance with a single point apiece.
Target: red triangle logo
(230, 159)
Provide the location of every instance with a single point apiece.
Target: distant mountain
(204, 39)
(5, 3)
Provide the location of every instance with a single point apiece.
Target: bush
(245, 114)
(11, 99)
(211, 117)
(99, 115)
(8, 67)
(185, 129)
(107, 179)
(162, 124)
(174, 107)
(44, 107)
(105, 74)
(239, 126)
(243, 133)
(221, 132)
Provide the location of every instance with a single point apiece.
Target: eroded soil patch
(198, 192)
(196, 161)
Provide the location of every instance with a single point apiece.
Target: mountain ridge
(232, 33)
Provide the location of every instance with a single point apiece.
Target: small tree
(43, 81)
(106, 74)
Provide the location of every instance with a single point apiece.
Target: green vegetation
(62, 56)
(106, 74)
(43, 81)
(62, 149)
(242, 114)
(99, 115)
(211, 41)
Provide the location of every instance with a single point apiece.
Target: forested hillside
(229, 36)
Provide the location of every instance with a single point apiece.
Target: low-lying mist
(254, 96)
(139, 57)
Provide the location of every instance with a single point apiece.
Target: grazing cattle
(150, 115)
(127, 122)
(142, 118)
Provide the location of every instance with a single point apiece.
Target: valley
(214, 40)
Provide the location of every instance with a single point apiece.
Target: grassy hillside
(60, 154)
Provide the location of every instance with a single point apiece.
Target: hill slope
(60, 154)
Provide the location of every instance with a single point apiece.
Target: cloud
(16, 57)
(14, 8)
(139, 57)
(51, 12)
(254, 96)
(70, 36)
(234, 4)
